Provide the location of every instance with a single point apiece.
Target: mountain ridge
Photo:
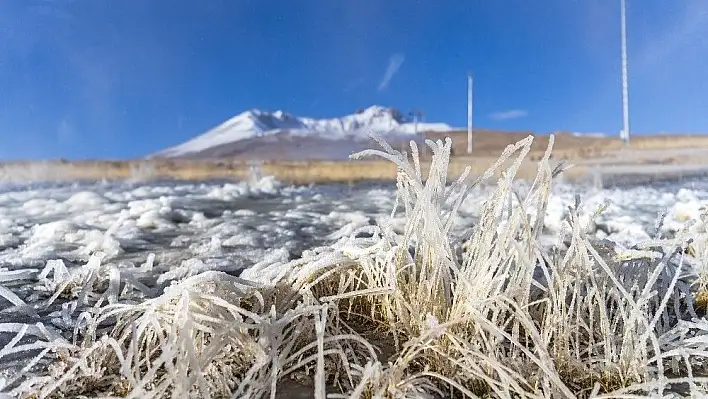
(256, 126)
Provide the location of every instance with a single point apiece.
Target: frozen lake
(229, 226)
(164, 231)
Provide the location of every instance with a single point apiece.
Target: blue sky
(125, 78)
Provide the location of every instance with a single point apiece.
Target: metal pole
(417, 114)
(415, 130)
(415, 123)
(470, 84)
(625, 96)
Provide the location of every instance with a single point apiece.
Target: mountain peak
(255, 123)
(378, 111)
(280, 115)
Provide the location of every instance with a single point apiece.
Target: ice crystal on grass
(383, 314)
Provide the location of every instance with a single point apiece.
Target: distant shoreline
(648, 157)
(330, 172)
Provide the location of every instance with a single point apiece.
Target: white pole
(625, 97)
(415, 130)
(415, 123)
(470, 84)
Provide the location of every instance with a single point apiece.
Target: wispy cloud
(394, 64)
(509, 114)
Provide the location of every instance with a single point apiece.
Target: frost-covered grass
(389, 313)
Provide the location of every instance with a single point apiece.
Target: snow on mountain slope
(589, 134)
(254, 124)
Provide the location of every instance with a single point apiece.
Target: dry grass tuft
(381, 314)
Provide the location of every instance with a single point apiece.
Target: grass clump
(387, 315)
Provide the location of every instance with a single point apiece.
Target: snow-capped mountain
(255, 125)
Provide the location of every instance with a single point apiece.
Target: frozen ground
(193, 227)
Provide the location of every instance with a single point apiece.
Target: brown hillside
(490, 143)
